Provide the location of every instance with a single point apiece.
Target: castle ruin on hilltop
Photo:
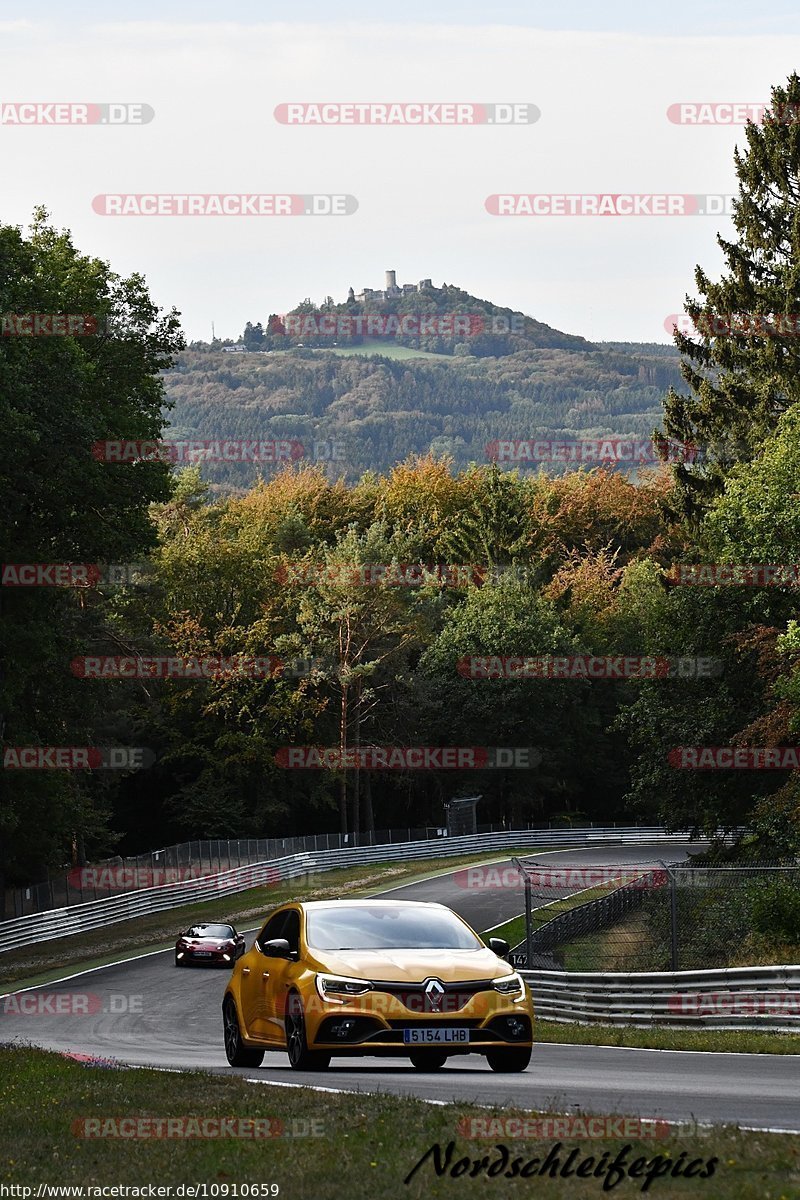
(391, 291)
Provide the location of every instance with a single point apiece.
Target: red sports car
(219, 944)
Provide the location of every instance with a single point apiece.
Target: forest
(381, 409)
(388, 580)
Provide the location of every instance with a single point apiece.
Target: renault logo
(433, 993)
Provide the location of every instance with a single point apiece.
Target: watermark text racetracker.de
(735, 758)
(209, 666)
(502, 878)
(587, 666)
(735, 1004)
(195, 1128)
(69, 112)
(734, 325)
(224, 204)
(77, 758)
(607, 204)
(408, 758)
(734, 575)
(36, 324)
(122, 878)
(74, 575)
(386, 325)
(536, 1128)
(68, 1004)
(452, 112)
(264, 450)
(732, 112)
(612, 449)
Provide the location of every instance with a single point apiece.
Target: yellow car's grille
(446, 997)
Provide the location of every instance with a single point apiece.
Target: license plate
(435, 1036)
(202, 953)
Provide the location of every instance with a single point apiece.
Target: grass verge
(727, 1041)
(627, 945)
(368, 1145)
(44, 961)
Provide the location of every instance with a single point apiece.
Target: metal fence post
(528, 925)
(673, 917)
(528, 913)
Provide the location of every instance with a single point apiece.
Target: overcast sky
(603, 76)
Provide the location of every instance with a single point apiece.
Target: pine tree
(743, 368)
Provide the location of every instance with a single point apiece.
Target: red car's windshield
(209, 931)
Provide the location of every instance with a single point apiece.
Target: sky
(602, 77)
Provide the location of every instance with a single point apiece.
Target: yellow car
(375, 977)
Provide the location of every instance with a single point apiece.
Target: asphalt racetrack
(145, 1012)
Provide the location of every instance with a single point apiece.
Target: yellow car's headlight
(337, 987)
(509, 985)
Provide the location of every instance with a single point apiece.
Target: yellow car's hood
(412, 966)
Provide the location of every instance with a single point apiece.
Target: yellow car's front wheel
(300, 1057)
(427, 1060)
(509, 1058)
(237, 1054)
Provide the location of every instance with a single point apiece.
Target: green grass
(44, 961)
(729, 1041)
(513, 931)
(627, 945)
(631, 945)
(369, 1144)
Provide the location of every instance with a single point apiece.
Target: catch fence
(657, 916)
(201, 859)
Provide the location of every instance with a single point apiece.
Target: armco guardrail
(733, 998)
(58, 923)
(194, 860)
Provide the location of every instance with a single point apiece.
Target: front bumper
(376, 1023)
(365, 1036)
(211, 958)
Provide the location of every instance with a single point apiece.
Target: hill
(370, 402)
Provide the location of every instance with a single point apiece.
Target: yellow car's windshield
(385, 927)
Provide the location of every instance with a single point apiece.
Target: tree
(744, 369)
(756, 700)
(253, 336)
(563, 719)
(59, 395)
(360, 627)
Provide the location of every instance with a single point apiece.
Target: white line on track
(317, 1087)
(664, 1049)
(120, 962)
